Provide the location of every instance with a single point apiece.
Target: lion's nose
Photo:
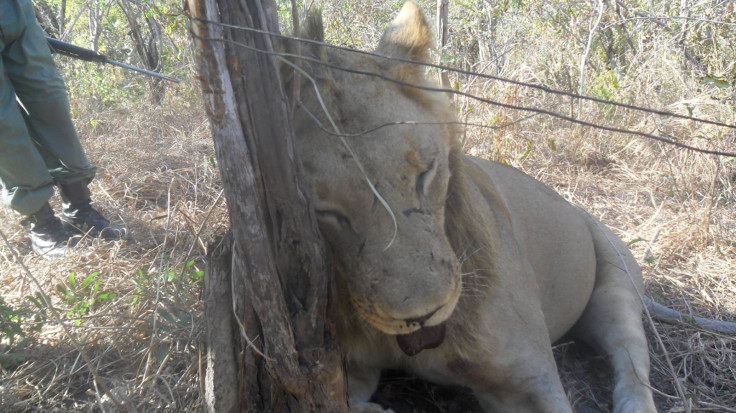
(420, 320)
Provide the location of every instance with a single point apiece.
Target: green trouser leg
(39, 147)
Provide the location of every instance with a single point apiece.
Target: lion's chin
(424, 338)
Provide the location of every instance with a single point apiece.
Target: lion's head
(394, 257)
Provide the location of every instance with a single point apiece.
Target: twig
(669, 315)
(584, 58)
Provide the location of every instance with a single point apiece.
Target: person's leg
(42, 92)
(26, 182)
(80, 217)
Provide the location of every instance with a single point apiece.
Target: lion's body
(477, 268)
(564, 271)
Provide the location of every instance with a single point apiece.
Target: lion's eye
(424, 180)
(333, 217)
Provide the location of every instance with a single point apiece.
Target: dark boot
(49, 238)
(79, 217)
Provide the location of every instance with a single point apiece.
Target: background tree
(147, 44)
(148, 34)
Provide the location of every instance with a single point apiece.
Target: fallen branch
(668, 315)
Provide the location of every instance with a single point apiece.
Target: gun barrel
(70, 50)
(141, 70)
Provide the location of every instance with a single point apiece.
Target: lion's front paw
(366, 407)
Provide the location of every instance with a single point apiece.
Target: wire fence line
(407, 122)
(471, 73)
(665, 18)
(665, 139)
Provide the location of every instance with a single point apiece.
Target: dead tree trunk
(149, 47)
(270, 346)
(443, 11)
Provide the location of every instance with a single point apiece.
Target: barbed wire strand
(471, 73)
(668, 140)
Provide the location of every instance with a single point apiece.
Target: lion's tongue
(424, 338)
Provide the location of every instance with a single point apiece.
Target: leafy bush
(82, 296)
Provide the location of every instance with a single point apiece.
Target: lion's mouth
(424, 338)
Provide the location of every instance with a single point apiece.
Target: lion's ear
(311, 28)
(408, 36)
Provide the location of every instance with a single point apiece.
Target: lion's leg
(362, 383)
(512, 370)
(540, 393)
(612, 323)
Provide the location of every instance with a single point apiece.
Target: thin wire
(650, 18)
(655, 18)
(406, 122)
(470, 73)
(488, 101)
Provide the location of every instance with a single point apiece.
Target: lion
(457, 269)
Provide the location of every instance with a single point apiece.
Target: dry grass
(156, 176)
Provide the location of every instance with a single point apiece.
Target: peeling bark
(271, 344)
